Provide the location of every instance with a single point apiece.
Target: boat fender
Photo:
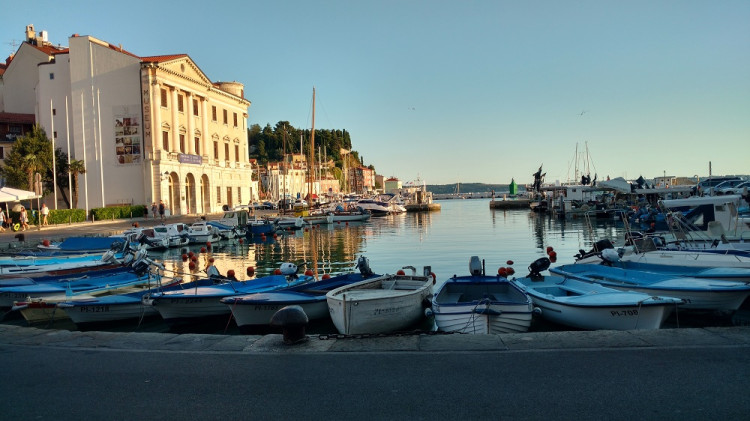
(537, 311)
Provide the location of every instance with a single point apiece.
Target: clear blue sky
(469, 91)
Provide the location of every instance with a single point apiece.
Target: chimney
(30, 33)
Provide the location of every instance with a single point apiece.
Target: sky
(463, 91)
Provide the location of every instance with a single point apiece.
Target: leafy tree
(61, 167)
(76, 167)
(31, 153)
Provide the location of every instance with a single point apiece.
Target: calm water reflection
(443, 240)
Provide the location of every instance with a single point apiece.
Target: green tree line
(268, 144)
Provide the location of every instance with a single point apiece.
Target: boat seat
(575, 290)
(469, 297)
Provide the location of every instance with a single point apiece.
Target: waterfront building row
(147, 128)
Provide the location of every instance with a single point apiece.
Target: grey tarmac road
(88, 376)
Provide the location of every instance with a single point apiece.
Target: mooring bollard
(292, 320)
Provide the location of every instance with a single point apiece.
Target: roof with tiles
(162, 59)
(17, 118)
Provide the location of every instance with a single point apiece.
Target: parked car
(732, 188)
(705, 185)
(270, 205)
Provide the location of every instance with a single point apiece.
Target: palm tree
(31, 163)
(76, 167)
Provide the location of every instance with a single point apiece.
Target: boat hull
(257, 312)
(481, 305)
(372, 307)
(698, 293)
(591, 306)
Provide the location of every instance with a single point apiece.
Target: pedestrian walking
(45, 214)
(24, 219)
(3, 221)
(154, 209)
(161, 209)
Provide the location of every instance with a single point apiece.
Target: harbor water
(443, 240)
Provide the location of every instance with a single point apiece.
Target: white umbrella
(9, 194)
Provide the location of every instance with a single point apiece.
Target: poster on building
(127, 139)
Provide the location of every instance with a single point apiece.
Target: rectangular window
(163, 97)
(235, 119)
(236, 153)
(198, 146)
(195, 107)
(229, 197)
(182, 143)
(218, 194)
(216, 150)
(165, 141)
(226, 121)
(226, 151)
(54, 134)
(239, 195)
(54, 111)
(213, 113)
(51, 76)
(180, 105)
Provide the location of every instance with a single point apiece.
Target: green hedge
(66, 216)
(118, 212)
(59, 216)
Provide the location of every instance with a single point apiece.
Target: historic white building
(147, 128)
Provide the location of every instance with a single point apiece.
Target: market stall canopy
(9, 194)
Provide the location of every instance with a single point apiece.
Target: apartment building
(147, 128)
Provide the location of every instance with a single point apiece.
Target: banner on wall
(128, 139)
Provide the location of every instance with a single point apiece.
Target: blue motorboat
(79, 245)
(698, 293)
(113, 308)
(481, 304)
(69, 288)
(205, 301)
(254, 311)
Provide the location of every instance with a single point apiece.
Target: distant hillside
(468, 188)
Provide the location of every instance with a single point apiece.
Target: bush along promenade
(69, 216)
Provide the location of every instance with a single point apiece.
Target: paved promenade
(726, 337)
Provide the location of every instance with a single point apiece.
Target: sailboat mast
(311, 169)
(283, 164)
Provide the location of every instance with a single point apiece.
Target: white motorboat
(201, 233)
(176, 234)
(147, 237)
(587, 305)
(384, 304)
(481, 304)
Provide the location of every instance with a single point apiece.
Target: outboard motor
(538, 266)
(475, 266)
(363, 264)
(288, 269)
(141, 267)
(212, 272)
(611, 256)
